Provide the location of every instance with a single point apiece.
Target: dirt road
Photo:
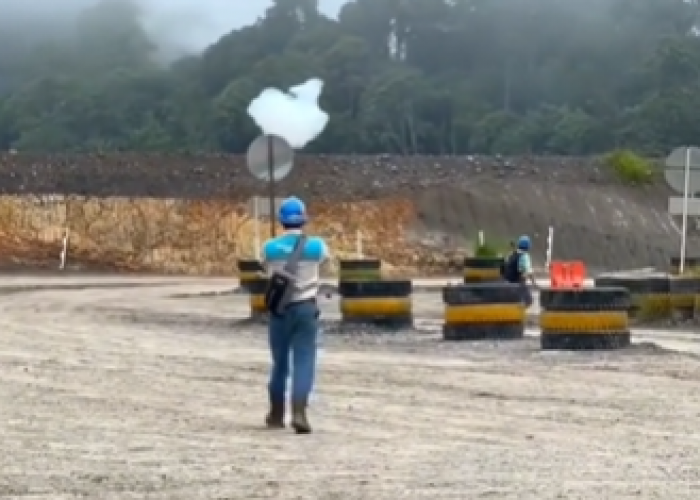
(109, 393)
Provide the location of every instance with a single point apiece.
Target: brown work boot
(299, 421)
(275, 418)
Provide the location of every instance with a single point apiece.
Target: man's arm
(533, 280)
(525, 265)
(264, 261)
(326, 258)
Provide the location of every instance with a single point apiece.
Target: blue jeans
(294, 335)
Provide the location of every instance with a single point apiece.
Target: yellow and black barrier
(691, 265)
(248, 271)
(256, 296)
(386, 303)
(360, 270)
(685, 297)
(585, 319)
(482, 269)
(650, 295)
(483, 311)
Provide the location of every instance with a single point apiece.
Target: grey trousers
(526, 294)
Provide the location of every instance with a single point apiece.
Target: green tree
(402, 77)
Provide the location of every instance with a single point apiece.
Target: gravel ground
(127, 394)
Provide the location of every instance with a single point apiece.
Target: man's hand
(535, 285)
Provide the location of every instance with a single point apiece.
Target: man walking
(518, 269)
(294, 333)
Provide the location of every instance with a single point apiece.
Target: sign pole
(686, 195)
(271, 173)
(256, 222)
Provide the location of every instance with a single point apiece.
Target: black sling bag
(282, 283)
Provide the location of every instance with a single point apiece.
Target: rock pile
(323, 178)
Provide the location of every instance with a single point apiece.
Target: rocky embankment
(420, 214)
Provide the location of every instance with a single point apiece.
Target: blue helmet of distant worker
(292, 213)
(524, 243)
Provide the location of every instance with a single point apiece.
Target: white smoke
(294, 115)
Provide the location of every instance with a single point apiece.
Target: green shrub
(692, 271)
(631, 168)
(653, 309)
(363, 275)
(488, 250)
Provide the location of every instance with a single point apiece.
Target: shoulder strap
(292, 263)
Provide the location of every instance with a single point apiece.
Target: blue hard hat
(524, 243)
(292, 212)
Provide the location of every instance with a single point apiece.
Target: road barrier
(483, 311)
(685, 297)
(650, 295)
(691, 265)
(256, 297)
(360, 270)
(482, 269)
(585, 319)
(567, 274)
(385, 303)
(248, 270)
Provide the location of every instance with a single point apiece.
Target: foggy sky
(177, 26)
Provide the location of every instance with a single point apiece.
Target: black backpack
(510, 271)
(282, 283)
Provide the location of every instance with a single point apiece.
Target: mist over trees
(402, 76)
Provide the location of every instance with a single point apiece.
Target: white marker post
(64, 251)
(358, 245)
(550, 244)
